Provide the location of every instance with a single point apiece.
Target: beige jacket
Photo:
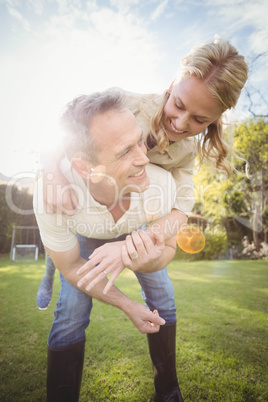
(180, 157)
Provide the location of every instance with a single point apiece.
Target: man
(108, 159)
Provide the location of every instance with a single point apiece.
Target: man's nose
(141, 157)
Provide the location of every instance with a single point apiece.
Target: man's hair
(77, 117)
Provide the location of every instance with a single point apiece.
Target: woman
(177, 125)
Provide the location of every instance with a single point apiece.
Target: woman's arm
(169, 225)
(57, 195)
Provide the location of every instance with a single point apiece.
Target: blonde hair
(224, 72)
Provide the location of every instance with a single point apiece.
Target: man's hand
(146, 321)
(143, 319)
(142, 250)
(112, 258)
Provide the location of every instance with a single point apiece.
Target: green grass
(221, 340)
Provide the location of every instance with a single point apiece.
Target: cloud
(244, 15)
(259, 41)
(91, 49)
(124, 6)
(159, 10)
(18, 16)
(36, 5)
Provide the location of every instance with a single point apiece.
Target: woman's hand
(139, 252)
(58, 196)
(103, 261)
(142, 251)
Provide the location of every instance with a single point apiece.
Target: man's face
(123, 152)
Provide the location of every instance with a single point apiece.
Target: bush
(216, 244)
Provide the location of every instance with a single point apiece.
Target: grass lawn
(222, 337)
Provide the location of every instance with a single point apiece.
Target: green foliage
(241, 198)
(236, 231)
(16, 208)
(208, 192)
(251, 140)
(6, 221)
(215, 246)
(221, 336)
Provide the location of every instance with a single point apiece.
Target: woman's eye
(177, 106)
(198, 121)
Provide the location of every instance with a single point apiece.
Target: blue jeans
(72, 314)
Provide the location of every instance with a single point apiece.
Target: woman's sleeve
(183, 176)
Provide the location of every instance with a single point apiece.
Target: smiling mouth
(138, 174)
(174, 129)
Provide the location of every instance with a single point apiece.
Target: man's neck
(120, 208)
(117, 207)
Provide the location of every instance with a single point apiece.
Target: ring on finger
(105, 272)
(136, 256)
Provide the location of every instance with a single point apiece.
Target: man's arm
(69, 262)
(138, 253)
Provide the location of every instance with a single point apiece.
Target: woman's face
(190, 109)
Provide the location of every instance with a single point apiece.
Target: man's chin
(140, 187)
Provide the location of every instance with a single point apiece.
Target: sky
(54, 50)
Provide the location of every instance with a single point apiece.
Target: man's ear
(98, 173)
(86, 170)
(81, 165)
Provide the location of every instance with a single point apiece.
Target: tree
(255, 102)
(240, 202)
(251, 140)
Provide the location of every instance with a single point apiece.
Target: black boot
(64, 373)
(162, 346)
